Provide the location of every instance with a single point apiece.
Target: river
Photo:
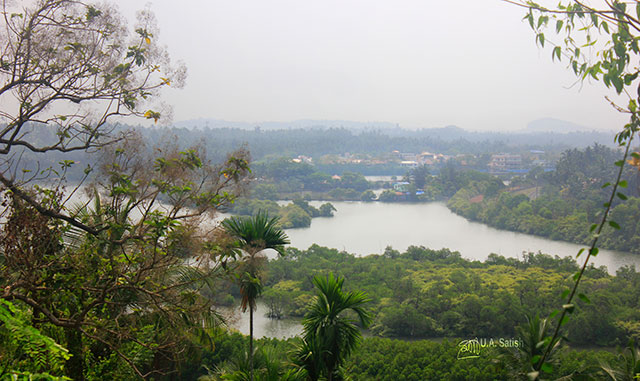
(367, 228)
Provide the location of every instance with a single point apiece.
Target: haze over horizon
(471, 64)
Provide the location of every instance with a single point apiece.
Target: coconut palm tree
(253, 236)
(330, 335)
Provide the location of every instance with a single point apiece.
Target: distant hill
(556, 125)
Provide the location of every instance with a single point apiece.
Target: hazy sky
(419, 63)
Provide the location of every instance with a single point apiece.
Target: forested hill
(560, 204)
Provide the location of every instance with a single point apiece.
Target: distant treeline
(317, 142)
(322, 141)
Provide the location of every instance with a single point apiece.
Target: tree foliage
(330, 336)
(26, 353)
(67, 68)
(134, 288)
(601, 43)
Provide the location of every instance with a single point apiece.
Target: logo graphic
(470, 349)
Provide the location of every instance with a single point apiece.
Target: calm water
(367, 228)
(262, 325)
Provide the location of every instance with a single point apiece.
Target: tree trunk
(250, 343)
(74, 367)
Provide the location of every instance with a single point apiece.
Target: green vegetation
(330, 336)
(25, 352)
(435, 293)
(392, 359)
(297, 214)
(561, 204)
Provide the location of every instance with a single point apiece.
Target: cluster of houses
(498, 164)
(412, 160)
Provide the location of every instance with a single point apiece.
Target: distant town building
(428, 158)
(409, 163)
(505, 162)
(305, 159)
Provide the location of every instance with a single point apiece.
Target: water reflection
(262, 325)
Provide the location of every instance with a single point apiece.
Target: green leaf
(618, 84)
(565, 293)
(529, 17)
(547, 368)
(542, 20)
(540, 37)
(564, 320)
(592, 228)
(635, 155)
(621, 196)
(614, 225)
(594, 251)
(606, 185)
(584, 298)
(553, 314)
(580, 252)
(559, 25)
(605, 26)
(556, 53)
(623, 184)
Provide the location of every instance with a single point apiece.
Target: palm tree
(270, 365)
(628, 367)
(330, 336)
(522, 360)
(253, 235)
